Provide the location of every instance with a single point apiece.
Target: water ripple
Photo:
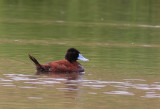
(151, 95)
(132, 87)
(119, 93)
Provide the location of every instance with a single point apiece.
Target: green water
(119, 37)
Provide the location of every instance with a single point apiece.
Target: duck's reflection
(68, 76)
(71, 85)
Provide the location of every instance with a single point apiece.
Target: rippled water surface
(120, 38)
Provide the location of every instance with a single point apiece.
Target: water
(120, 38)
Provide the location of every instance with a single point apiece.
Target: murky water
(20, 89)
(120, 38)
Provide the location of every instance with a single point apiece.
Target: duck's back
(65, 66)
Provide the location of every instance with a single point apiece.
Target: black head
(72, 54)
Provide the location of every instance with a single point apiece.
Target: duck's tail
(41, 69)
(38, 65)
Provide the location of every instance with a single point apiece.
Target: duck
(68, 65)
